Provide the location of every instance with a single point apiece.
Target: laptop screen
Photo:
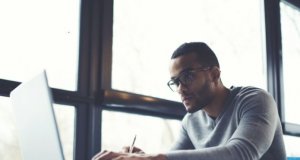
(35, 119)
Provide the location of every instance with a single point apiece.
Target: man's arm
(183, 141)
(252, 138)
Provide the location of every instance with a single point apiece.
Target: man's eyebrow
(184, 70)
(174, 77)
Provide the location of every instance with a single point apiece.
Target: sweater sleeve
(183, 142)
(254, 135)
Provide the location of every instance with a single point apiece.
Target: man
(240, 123)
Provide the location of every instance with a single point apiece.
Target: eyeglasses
(185, 78)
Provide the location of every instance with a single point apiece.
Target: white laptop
(36, 124)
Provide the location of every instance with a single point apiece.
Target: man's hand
(134, 150)
(109, 155)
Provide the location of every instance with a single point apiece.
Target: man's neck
(217, 105)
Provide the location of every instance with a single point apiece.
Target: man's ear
(215, 73)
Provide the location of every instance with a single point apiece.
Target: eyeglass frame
(176, 81)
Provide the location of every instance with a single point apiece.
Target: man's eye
(186, 78)
(176, 82)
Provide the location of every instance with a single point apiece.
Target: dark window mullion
(135, 103)
(6, 86)
(94, 72)
(274, 51)
(88, 117)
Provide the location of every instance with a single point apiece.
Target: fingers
(137, 150)
(100, 154)
(109, 155)
(128, 157)
(126, 149)
(106, 155)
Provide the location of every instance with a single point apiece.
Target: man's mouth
(186, 98)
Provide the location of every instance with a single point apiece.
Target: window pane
(119, 129)
(292, 145)
(145, 33)
(65, 116)
(38, 35)
(290, 21)
(9, 144)
(9, 147)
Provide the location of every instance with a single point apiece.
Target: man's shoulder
(246, 88)
(247, 91)
(253, 98)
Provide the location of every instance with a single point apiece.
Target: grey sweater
(248, 129)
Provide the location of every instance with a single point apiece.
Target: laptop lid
(36, 124)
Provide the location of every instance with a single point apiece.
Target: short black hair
(206, 56)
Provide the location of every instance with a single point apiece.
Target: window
(292, 145)
(144, 40)
(8, 133)
(290, 24)
(38, 35)
(153, 134)
(145, 33)
(65, 117)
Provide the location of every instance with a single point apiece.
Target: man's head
(206, 56)
(195, 75)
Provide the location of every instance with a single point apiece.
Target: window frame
(274, 59)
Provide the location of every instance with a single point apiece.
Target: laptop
(35, 119)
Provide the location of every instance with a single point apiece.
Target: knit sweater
(248, 128)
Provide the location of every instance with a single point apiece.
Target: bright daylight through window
(290, 21)
(290, 28)
(114, 123)
(37, 35)
(34, 37)
(143, 41)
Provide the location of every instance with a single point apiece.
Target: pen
(132, 145)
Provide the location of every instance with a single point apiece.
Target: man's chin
(192, 109)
